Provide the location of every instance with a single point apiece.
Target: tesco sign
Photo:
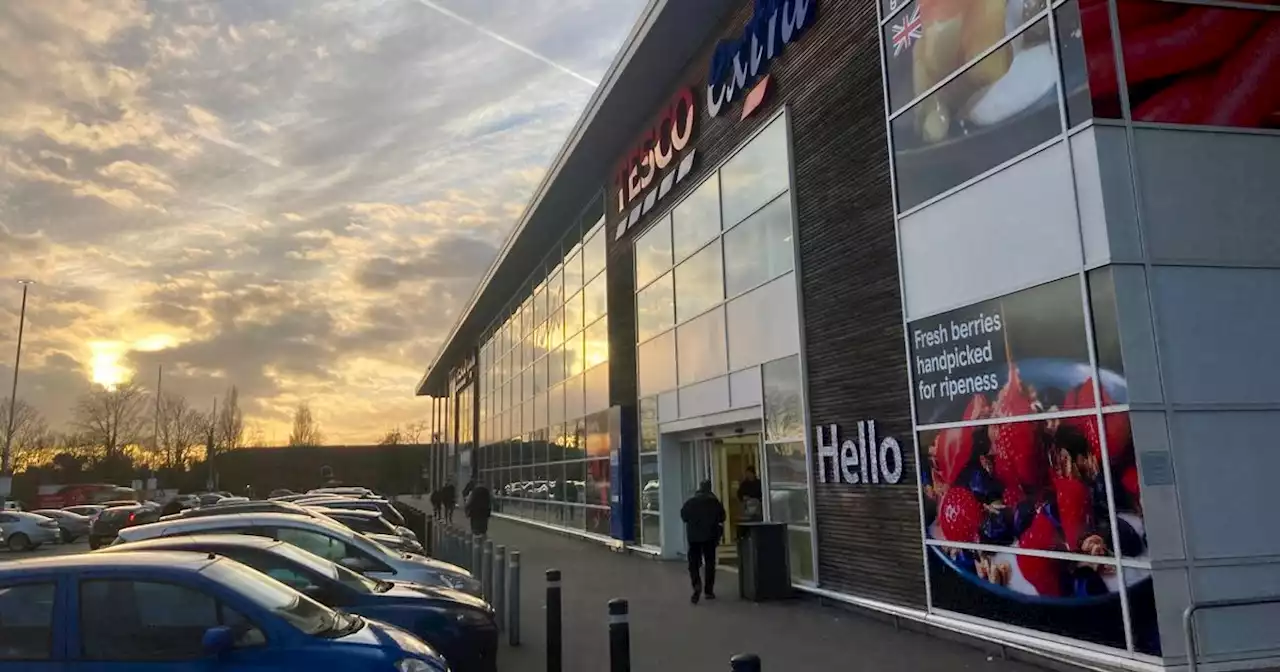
(657, 152)
(737, 64)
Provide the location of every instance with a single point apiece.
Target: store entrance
(724, 462)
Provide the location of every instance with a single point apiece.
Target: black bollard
(500, 584)
(513, 598)
(428, 535)
(554, 651)
(745, 662)
(619, 636)
(486, 571)
(477, 557)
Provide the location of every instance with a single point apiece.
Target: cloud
(294, 198)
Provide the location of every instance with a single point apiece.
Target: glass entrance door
(724, 462)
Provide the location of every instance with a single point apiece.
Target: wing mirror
(217, 640)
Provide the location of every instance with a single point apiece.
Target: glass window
(915, 65)
(539, 306)
(555, 290)
(596, 392)
(526, 384)
(596, 427)
(656, 308)
(700, 345)
(656, 364)
(653, 252)
(597, 343)
(555, 329)
(555, 366)
(593, 255)
(540, 375)
(697, 219)
(555, 405)
(598, 483)
(322, 545)
(756, 174)
(575, 354)
(649, 484)
(125, 620)
(573, 273)
(575, 475)
(783, 406)
(759, 249)
(26, 621)
(788, 489)
(800, 544)
(573, 314)
(649, 425)
(595, 300)
(573, 401)
(699, 282)
(597, 521)
(940, 143)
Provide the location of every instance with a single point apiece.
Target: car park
(24, 531)
(461, 627)
(176, 611)
(387, 535)
(71, 526)
(325, 538)
(106, 525)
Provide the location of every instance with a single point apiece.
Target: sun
(106, 366)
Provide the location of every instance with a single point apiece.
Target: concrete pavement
(670, 635)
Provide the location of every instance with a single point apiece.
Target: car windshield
(325, 568)
(300, 611)
(347, 535)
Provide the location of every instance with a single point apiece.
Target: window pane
(649, 484)
(783, 410)
(756, 174)
(555, 329)
(656, 308)
(938, 145)
(697, 219)
(573, 402)
(914, 65)
(699, 283)
(539, 306)
(595, 300)
(656, 364)
(555, 366)
(575, 354)
(597, 436)
(555, 290)
(800, 545)
(653, 252)
(598, 482)
(593, 255)
(759, 249)
(134, 620)
(700, 345)
(649, 425)
(26, 631)
(573, 273)
(598, 519)
(573, 314)
(597, 343)
(540, 375)
(597, 389)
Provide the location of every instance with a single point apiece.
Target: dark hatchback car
(106, 525)
(461, 627)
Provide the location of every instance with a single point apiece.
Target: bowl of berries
(1023, 492)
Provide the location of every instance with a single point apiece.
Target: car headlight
(418, 665)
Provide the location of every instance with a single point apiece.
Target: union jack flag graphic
(909, 30)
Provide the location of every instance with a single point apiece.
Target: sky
(295, 198)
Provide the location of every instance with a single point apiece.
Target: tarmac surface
(669, 634)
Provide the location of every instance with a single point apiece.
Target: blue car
(179, 612)
(462, 627)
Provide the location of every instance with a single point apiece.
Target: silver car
(72, 525)
(323, 537)
(26, 531)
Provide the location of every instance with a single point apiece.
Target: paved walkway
(670, 635)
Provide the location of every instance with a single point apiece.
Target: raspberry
(959, 515)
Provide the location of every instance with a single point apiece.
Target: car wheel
(93, 544)
(19, 542)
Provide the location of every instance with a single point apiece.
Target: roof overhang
(666, 36)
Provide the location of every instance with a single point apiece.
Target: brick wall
(869, 536)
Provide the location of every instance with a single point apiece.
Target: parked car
(372, 522)
(279, 492)
(346, 491)
(71, 526)
(25, 531)
(222, 509)
(118, 502)
(325, 538)
(86, 510)
(10, 505)
(175, 611)
(382, 506)
(462, 627)
(234, 500)
(104, 528)
(209, 498)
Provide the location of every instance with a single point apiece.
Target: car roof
(353, 513)
(137, 560)
(212, 540)
(178, 525)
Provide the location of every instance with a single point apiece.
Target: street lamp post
(6, 461)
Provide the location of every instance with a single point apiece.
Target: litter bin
(764, 571)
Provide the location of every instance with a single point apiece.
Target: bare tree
(256, 438)
(180, 427)
(393, 437)
(230, 425)
(414, 431)
(112, 418)
(31, 434)
(306, 430)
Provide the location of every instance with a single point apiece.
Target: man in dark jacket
(449, 499)
(436, 503)
(466, 493)
(479, 506)
(703, 517)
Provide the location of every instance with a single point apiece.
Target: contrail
(514, 45)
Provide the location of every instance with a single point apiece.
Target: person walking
(703, 517)
(449, 499)
(479, 507)
(750, 499)
(436, 503)
(466, 493)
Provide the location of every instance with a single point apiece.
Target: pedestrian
(449, 499)
(703, 517)
(750, 497)
(466, 490)
(479, 506)
(435, 503)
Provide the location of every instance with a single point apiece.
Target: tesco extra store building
(984, 290)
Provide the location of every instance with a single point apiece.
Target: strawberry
(1119, 438)
(977, 408)
(1017, 455)
(951, 452)
(1012, 400)
(1075, 509)
(1012, 497)
(1045, 574)
(959, 515)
